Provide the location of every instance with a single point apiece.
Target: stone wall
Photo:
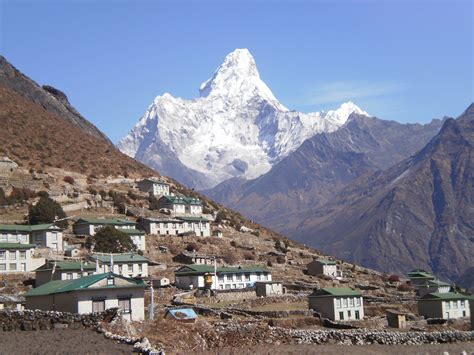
(233, 295)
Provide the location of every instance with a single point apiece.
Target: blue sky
(408, 61)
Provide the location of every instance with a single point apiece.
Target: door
(447, 315)
(357, 315)
(341, 315)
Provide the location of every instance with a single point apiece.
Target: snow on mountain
(236, 128)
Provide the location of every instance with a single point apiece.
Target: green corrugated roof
(131, 231)
(61, 286)
(67, 265)
(438, 283)
(16, 246)
(27, 227)
(326, 262)
(155, 180)
(202, 269)
(192, 219)
(111, 221)
(120, 258)
(335, 292)
(183, 200)
(444, 296)
(419, 274)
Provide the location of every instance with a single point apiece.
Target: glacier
(235, 128)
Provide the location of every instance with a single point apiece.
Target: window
(230, 278)
(238, 277)
(3, 255)
(351, 302)
(120, 269)
(247, 277)
(462, 304)
(140, 268)
(13, 267)
(357, 315)
(234, 286)
(258, 276)
(220, 278)
(3, 237)
(110, 281)
(22, 255)
(463, 313)
(338, 303)
(54, 236)
(358, 301)
(23, 267)
(227, 287)
(455, 304)
(341, 315)
(12, 255)
(344, 302)
(124, 304)
(3, 267)
(448, 305)
(69, 276)
(241, 285)
(98, 306)
(221, 287)
(349, 314)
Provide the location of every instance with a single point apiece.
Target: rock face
(320, 167)
(236, 128)
(51, 99)
(418, 213)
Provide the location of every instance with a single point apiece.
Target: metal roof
(204, 269)
(448, 296)
(120, 258)
(110, 221)
(66, 265)
(16, 246)
(335, 292)
(28, 227)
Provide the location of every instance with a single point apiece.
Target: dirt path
(60, 341)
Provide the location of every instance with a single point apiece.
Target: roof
(335, 292)
(131, 231)
(447, 296)
(419, 274)
(66, 265)
(438, 283)
(184, 200)
(120, 258)
(182, 313)
(28, 227)
(155, 181)
(16, 246)
(192, 219)
(204, 269)
(325, 261)
(62, 286)
(162, 220)
(111, 221)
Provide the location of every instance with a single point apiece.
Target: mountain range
(236, 128)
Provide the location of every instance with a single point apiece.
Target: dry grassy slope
(35, 138)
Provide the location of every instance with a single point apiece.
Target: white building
(154, 187)
(323, 267)
(43, 235)
(433, 286)
(125, 264)
(16, 257)
(337, 303)
(181, 204)
(448, 305)
(90, 226)
(176, 226)
(90, 294)
(199, 276)
(269, 288)
(63, 270)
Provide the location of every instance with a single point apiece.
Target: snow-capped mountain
(236, 128)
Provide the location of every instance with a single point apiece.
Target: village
(201, 269)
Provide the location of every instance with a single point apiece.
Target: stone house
(269, 288)
(12, 302)
(161, 282)
(90, 294)
(63, 270)
(125, 264)
(228, 278)
(337, 303)
(396, 319)
(448, 305)
(181, 204)
(433, 286)
(419, 277)
(323, 267)
(154, 187)
(16, 257)
(198, 259)
(177, 226)
(43, 235)
(90, 226)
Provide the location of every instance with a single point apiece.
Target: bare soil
(60, 341)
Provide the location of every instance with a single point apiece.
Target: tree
(47, 211)
(111, 240)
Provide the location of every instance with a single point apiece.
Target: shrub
(47, 211)
(111, 240)
(280, 259)
(221, 215)
(103, 194)
(230, 258)
(92, 191)
(192, 247)
(404, 287)
(19, 195)
(69, 180)
(255, 233)
(249, 256)
(394, 278)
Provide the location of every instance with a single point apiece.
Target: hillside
(322, 166)
(418, 213)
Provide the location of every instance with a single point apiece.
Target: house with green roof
(90, 226)
(337, 303)
(433, 286)
(45, 235)
(125, 264)
(323, 267)
(63, 270)
(90, 294)
(181, 204)
(177, 225)
(18, 257)
(220, 278)
(419, 277)
(448, 305)
(154, 187)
